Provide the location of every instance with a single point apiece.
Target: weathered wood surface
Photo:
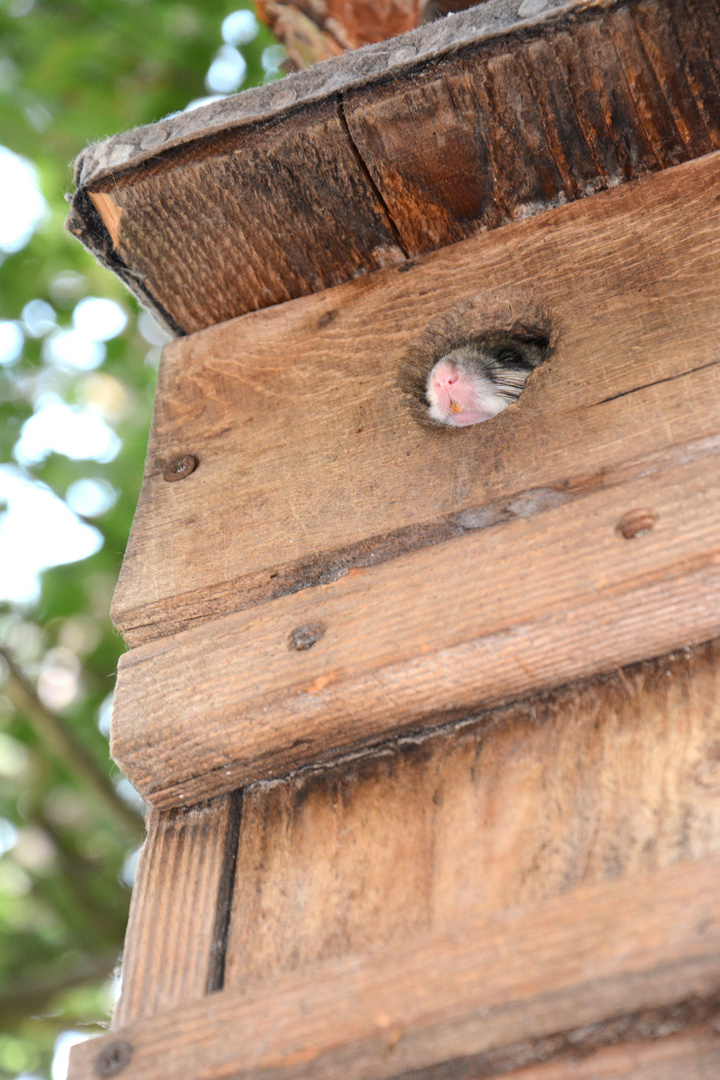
(561, 117)
(617, 777)
(471, 991)
(246, 216)
(405, 146)
(496, 19)
(692, 1055)
(341, 477)
(175, 942)
(311, 463)
(495, 614)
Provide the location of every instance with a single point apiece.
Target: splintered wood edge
(372, 63)
(110, 213)
(599, 953)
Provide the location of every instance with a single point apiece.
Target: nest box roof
(396, 149)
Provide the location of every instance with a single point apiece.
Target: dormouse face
(475, 382)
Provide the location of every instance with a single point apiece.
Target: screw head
(113, 1058)
(180, 467)
(635, 523)
(304, 637)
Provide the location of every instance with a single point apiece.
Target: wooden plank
(692, 1055)
(394, 59)
(512, 133)
(659, 39)
(700, 63)
(567, 963)
(617, 777)
(296, 412)
(409, 145)
(425, 638)
(633, 144)
(175, 943)
(571, 116)
(228, 249)
(647, 92)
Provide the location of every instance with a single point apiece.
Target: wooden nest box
(391, 834)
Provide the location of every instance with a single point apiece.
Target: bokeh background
(78, 362)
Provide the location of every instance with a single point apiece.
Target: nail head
(113, 1058)
(635, 523)
(180, 467)
(304, 637)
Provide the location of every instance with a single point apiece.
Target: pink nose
(445, 380)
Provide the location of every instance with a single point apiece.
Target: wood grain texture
(295, 413)
(617, 777)
(492, 120)
(258, 104)
(175, 942)
(506, 135)
(230, 701)
(694, 1055)
(243, 197)
(475, 989)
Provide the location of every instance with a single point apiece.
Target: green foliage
(72, 72)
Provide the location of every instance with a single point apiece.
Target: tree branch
(33, 995)
(63, 744)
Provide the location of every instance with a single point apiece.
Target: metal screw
(304, 637)
(180, 467)
(113, 1058)
(635, 523)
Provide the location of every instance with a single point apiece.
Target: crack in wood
(485, 119)
(368, 175)
(558, 977)
(226, 885)
(191, 609)
(655, 382)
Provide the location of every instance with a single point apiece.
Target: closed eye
(511, 358)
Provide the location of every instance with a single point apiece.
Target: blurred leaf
(72, 72)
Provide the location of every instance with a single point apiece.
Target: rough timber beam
(397, 149)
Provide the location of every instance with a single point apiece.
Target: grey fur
(504, 340)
